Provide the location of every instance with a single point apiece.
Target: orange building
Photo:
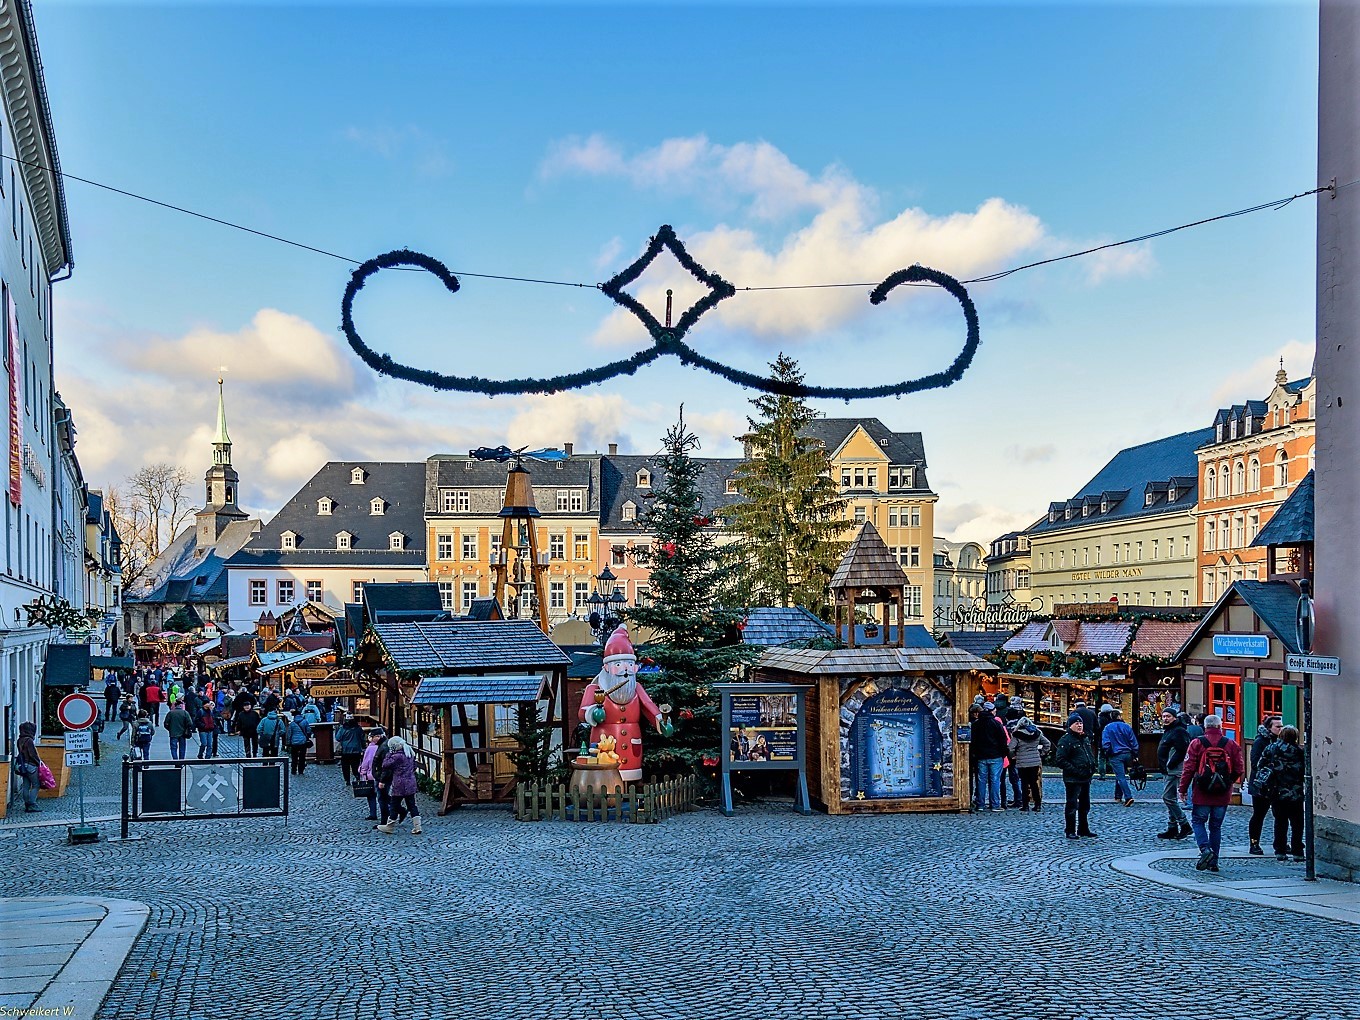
(1259, 452)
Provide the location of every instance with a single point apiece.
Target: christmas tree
(790, 522)
(696, 641)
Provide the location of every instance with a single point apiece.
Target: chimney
(613, 449)
(566, 448)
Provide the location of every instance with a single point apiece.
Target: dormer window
(377, 507)
(644, 479)
(1147, 500)
(730, 487)
(1067, 514)
(1104, 506)
(630, 511)
(288, 540)
(344, 541)
(356, 476)
(324, 506)
(1171, 494)
(1052, 516)
(396, 541)
(1233, 429)
(1218, 433)
(1086, 509)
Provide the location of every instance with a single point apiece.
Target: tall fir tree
(696, 640)
(790, 525)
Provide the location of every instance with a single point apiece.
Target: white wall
(337, 587)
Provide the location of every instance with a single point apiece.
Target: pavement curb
(1257, 892)
(79, 988)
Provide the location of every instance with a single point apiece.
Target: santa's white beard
(626, 691)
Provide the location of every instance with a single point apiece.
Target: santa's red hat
(619, 645)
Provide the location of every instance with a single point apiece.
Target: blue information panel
(895, 748)
(1242, 646)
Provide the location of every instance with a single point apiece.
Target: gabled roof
(618, 479)
(775, 625)
(868, 563)
(1032, 637)
(458, 646)
(478, 690)
(1293, 520)
(395, 603)
(275, 662)
(872, 660)
(906, 448)
(1275, 604)
(1162, 638)
(184, 572)
(976, 642)
(485, 608)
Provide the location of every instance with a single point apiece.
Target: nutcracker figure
(615, 705)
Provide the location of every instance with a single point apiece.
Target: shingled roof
(457, 646)
(905, 448)
(1293, 520)
(868, 563)
(775, 625)
(873, 660)
(397, 603)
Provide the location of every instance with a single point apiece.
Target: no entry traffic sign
(77, 711)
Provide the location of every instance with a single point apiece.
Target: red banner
(16, 460)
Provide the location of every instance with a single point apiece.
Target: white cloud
(1254, 381)
(977, 522)
(1128, 260)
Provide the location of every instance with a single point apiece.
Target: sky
(800, 144)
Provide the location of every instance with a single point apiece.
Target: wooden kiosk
(882, 720)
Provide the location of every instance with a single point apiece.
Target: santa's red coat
(624, 724)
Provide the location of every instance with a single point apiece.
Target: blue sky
(806, 144)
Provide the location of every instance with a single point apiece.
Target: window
(580, 596)
(285, 592)
(1116, 552)
(1239, 478)
(357, 590)
(913, 556)
(1223, 534)
(557, 547)
(1156, 548)
(259, 592)
(1185, 596)
(912, 601)
(324, 506)
(1238, 532)
(1218, 432)
(860, 515)
(1281, 470)
(469, 594)
(1253, 526)
(396, 541)
(643, 595)
(630, 511)
(1254, 474)
(577, 501)
(915, 517)
(580, 547)
(469, 547)
(452, 501)
(872, 478)
(1210, 484)
(356, 476)
(892, 516)
(618, 556)
(901, 477)
(1209, 586)
(730, 486)
(315, 591)
(376, 507)
(1097, 555)
(288, 540)
(343, 540)
(644, 479)
(563, 500)
(1085, 556)
(1022, 577)
(495, 547)
(446, 595)
(1171, 493)
(1223, 489)
(1148, 498)
(557, 594)
(443, 547)
(845, 478)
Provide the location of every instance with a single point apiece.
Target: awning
(67, 666)
(208, 646)
(478, 690)
(112, 662)
(290, 660)
(239, 660)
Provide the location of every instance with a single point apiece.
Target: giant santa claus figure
(615, 705)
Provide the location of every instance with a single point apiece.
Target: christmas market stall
(460, 691)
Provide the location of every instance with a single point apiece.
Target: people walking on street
(1266, 734)
(349, 739)
(112, 692)
(1120, 745)
(270, 732)
(206, 725)
(96, 730)
(1280, 772)
(1170, 757)
(127, 712)
(143, 732)
(154, 697)
(399, 779)
(27, 764)
(375, 738)
(1076, 757)
(989, 742)
(179, 725)
(1028, 747)
(299, 732)
(384, 801)
(1213, 764)
(247, 722)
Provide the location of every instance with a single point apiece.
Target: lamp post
(606, 603)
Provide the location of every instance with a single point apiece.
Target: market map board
(764, 728)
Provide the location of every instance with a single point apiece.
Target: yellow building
(883, 475)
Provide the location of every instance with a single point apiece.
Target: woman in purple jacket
(399, 781)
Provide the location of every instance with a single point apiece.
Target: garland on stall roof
(666, 339)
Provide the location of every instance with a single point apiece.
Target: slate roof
(981, 643)
(1292, 523)
(868, 563)
(484, 607)
(776, 625)
(905, 448)
(1162, 638)
(400, 485)
(873, 660)
(1275, 604)
(477, 690)
(186, 573)
(619, 485)
(585, 665)
(467, 645)
(394, 603)
(1125, 479)
(67, 666)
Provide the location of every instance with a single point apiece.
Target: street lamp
(606, 603)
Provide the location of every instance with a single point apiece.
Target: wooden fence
(647, 803)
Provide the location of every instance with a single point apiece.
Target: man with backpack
(143, 732)
(299, 737)
(1213, 763)
(270, 734)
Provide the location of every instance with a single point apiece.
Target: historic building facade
(1008, 570)
(960, 580)
(1256, 454)
(1128, 534)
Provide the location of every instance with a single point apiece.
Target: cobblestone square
(768, 912)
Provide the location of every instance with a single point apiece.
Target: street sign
(74, 758)
(77, 711)
(79, 740)
(1242, 646)
(1327, 665)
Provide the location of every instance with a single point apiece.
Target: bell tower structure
(221, 484)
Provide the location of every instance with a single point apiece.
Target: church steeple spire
(222, 441)
(220, 483)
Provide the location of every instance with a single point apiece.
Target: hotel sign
(998, 616)
(1111, 573)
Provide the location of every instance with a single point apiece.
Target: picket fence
(646, 803)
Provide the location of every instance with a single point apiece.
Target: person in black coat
(1266, 734)
(1282, 768)
(990, 741)
(1077, 759)
(1171, 756)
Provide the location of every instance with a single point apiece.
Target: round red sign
(77, 711)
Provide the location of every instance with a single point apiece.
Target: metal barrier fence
(187, 790)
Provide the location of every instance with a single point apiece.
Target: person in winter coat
(143, 732)
(112, 692)
(1170, 757)
(1077, 759)
(127, 711)
(153, 697)
(375, 738)
(1266, 734)
(399, 779)
(270, 732)
(1213, 764)
(1121, 748)
(179, 724)
(247, 722)
(206, 726)
(349, 740)
(384, 801)
(298, 736)
(989, 742)
(1028, 747)
(312, 712)
(269, 701)
(1281, 768)
(26, 763)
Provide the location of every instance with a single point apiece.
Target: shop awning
(288, 660)
(478, 690)
(239, 660)
(208, 646)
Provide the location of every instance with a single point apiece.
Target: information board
(763, 724)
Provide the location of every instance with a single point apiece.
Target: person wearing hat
(989, 741)
(1213, 765)
(1171, 756)
(1028, 747)
(1120, 745)
(1077, 759)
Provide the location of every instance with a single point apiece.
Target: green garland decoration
(666, 339)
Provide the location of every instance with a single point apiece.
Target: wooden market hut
(458, 690)
(882, 724)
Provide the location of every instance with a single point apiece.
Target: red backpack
(1214, 777)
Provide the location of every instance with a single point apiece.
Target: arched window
(1254, 474)
(1210, 483)
(1281, 469)
(1223, 489)
(1239, 478)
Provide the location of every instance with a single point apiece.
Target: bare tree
(150, 509)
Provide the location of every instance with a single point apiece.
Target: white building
(353, 523)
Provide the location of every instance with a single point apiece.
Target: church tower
(219, 508)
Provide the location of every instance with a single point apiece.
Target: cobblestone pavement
(767, 913)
